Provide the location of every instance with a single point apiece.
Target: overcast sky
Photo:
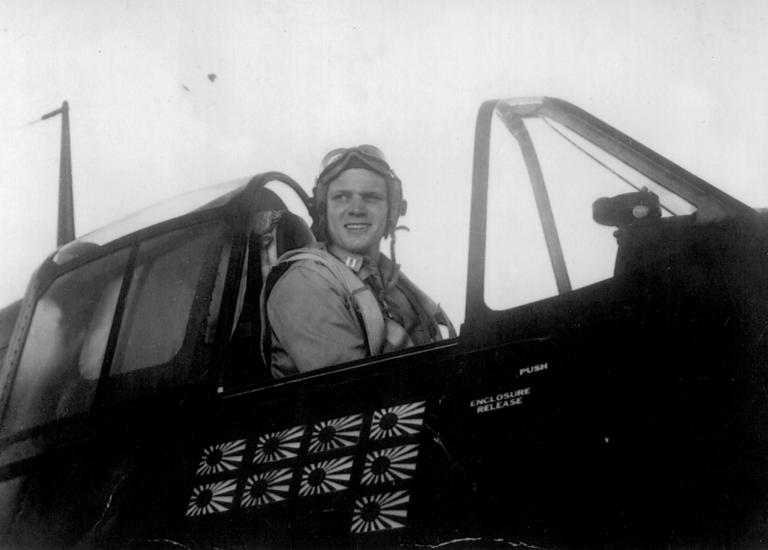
(295, 79)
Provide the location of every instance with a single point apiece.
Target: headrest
(292, 232)
(279, 231)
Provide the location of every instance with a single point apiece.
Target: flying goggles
(338, 160)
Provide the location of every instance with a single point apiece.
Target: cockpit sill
(345, 371)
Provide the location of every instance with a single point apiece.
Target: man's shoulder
(305, 268)
(313, 259)
(315, 252)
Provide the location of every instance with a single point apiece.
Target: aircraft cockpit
(123, 310)
(605, 387)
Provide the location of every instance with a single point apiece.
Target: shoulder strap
(361, 296)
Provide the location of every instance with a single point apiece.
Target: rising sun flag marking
(223, 457)
(326, 477)
(267, 487)
(212, 498)
(397, 421)
(336, 434)
(262, 486)
(386, 465)
(380, 512)
(276, 446)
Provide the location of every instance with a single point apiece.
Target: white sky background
(295, 79)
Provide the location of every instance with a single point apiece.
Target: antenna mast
(66, 221)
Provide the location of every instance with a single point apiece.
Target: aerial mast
(66, 222)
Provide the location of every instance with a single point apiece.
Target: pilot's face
(357, 211)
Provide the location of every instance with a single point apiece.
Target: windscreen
(536, 162)
(64, 348)
(129, 311)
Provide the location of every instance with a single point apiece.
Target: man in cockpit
(341, 299)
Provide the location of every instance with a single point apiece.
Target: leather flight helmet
(368, 157)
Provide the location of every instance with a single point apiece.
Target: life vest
(378, 331)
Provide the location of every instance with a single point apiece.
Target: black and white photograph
(384, 274)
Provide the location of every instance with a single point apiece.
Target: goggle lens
(367, 150)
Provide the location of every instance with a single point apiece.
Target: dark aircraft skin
(625, 413)
(8, 316)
